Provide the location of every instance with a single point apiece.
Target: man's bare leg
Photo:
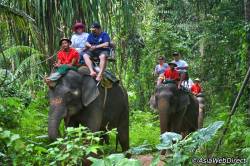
(102, 66)
(89, 64)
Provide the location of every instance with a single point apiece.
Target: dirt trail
(147, 159)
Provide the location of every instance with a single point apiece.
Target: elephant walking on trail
(78, 100)
(178, 110)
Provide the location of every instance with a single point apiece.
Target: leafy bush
(38, 110)
(236, 141)
(144, 128)
(181, 151)
(184, 150)
(71, 150)
(114, 159)
(10, 145)
(10, 112)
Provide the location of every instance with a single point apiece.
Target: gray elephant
(178, 110)
(201, 100)
(78, 100)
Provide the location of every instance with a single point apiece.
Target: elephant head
(71, 95)
(169, 98)
(172, 105)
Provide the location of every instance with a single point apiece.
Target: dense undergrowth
(23, 136)
(211, 36)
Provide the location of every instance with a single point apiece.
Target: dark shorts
(81, 61)
(97, 53)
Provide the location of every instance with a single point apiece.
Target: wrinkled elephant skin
(77, 99)
(178, 110)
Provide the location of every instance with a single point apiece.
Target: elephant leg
(178, 121)
(123, 131)
(123, 138)
(104, 139)
(165, 124)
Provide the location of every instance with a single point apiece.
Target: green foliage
(38, 110)
(11, 109)
(114, 159)
(144, 128)
(211, 36)
(236, 141)
(70, 150)
(77, 144)
(10, 145)
(181, 151)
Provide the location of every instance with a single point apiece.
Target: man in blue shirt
(98, 46)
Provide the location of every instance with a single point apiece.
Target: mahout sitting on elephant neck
(178, 110)
(78, 100)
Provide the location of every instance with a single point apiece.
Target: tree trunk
(247, 18)
(50, 30)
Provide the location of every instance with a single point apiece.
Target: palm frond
(7, 11)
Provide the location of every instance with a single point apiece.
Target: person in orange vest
(171, 73)
(196, 87)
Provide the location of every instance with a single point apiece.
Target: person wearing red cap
(79, 39)
(67, 59)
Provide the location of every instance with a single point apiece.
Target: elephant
(201, 100)
(178, 110)
(79, 100)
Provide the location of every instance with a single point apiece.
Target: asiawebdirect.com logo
(222, 160)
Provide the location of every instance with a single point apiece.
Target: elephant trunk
(55, 117)
(163, 107)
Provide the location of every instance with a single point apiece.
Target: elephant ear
(152, 102)
(89, 90)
